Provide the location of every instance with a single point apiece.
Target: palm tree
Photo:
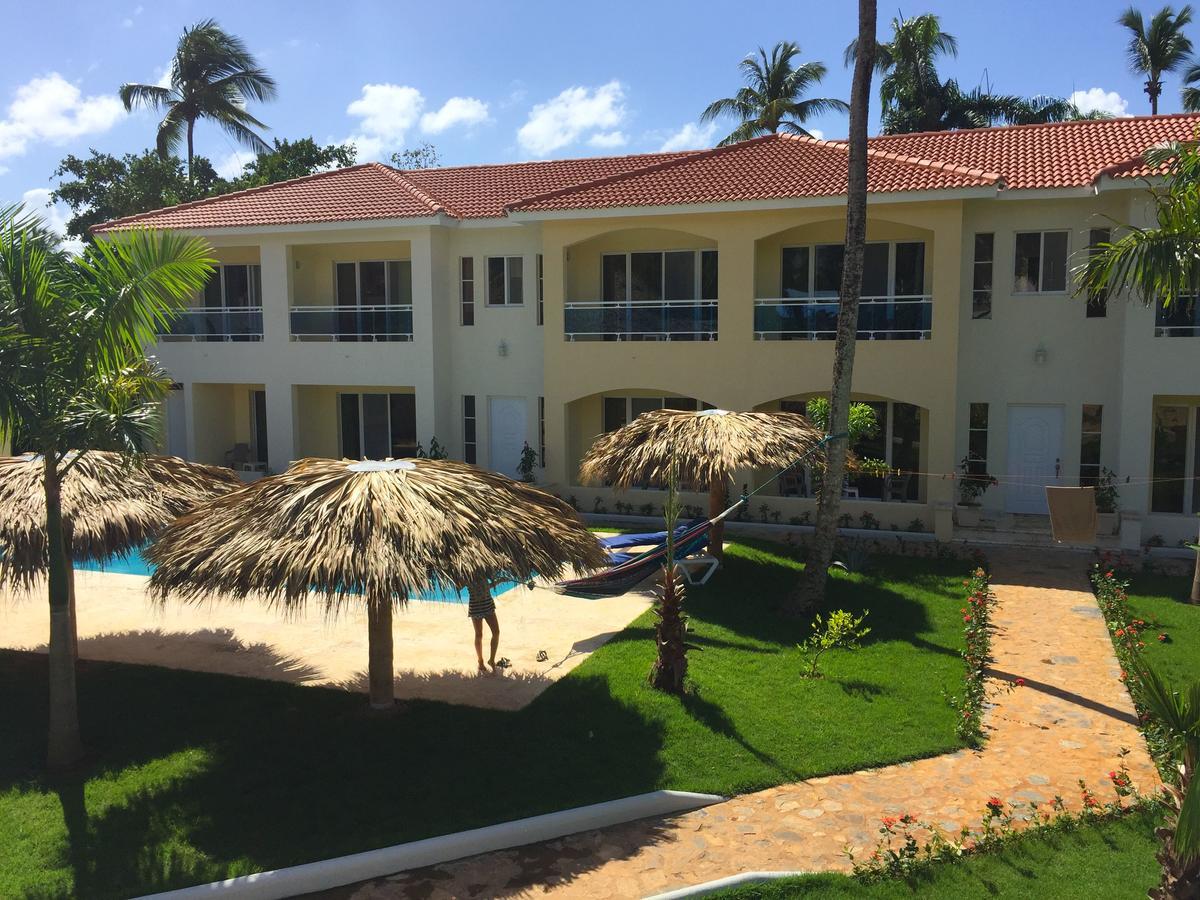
(1161, 47)
(73, 375)
(1177, 713)
(212, 77)
(811, 588)
(771, 99)
(1191, 94)
(910, 89)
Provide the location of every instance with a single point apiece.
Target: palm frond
(150, 96)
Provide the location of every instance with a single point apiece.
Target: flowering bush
(976, 616)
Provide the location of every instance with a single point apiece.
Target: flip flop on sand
(503, 662)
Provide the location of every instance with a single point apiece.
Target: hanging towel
(1073, 513)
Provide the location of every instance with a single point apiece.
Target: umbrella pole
(716, 506)
(380, 672)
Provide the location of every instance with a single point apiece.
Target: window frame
(1096, 306)
(811, 293)
(1090, 479)
(253, 286)
(976, 262)
(984, 429)
(470, 447)
(466, 305)
(1190, 502)
(362, 434)
(1041, 291)
(507, 301)
(358, 281)
(697, 274)
(541, 431)
(541, 291)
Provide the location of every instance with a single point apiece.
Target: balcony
(1181, 320)
(392, 322)
(899, 318)
(641, 320)
(239, 323)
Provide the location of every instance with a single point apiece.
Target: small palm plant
(213, 74)
(670, 631)
(773, 97)
(1177, 713)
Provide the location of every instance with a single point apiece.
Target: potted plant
(972, 484)
(1108, 501)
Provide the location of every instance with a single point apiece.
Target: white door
(176, 423)
(1035, 435)
(506, 433)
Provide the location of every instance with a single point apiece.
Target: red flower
(1163, 637)
(1020, 682)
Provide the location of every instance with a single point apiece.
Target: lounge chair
(630, 570)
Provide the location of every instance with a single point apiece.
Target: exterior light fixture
(503, 348)
(1040, 355)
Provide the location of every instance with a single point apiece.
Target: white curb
(329, 873)
(711, 887)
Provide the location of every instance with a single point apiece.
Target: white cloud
(37, 200)
(164, 76)
(232, 164)
(690, 137)
(455, 111)
(566, 118)
(608, 139)
(387, 112)
(54, 110)
(1099, 99)
(127, 23)
(817, 133)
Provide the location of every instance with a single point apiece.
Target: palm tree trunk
(64, 747)
(716, 506)
(380, 672)
(811, 589)
(191, 150)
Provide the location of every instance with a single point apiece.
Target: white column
(281, 425)
(275, 259)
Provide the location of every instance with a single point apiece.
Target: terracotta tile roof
(766, 168)
(368, 191)
(1066, 154)
(486, 191)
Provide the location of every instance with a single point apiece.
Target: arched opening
(641, 284)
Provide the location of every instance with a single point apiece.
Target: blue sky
(490, 81)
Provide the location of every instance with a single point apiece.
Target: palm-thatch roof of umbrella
(337, 531)
(112, 503)
(705, 448)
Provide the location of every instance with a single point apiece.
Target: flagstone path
(1068, 721)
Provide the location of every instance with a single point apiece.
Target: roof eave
(292, 227)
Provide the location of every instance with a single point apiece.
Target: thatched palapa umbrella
(370, 532)
(705, 447)
(112, 503)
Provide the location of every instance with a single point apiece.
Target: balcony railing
(900, 318)
(1181, 320)
(235, 323)
(641, 320)
(352, 323)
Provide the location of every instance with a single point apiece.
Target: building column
(281, 425)
(275, 259)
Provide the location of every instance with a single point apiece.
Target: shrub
(842, 630)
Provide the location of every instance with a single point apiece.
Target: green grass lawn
(1162, 600)
(195, 777)
(1110, 861)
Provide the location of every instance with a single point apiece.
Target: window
(378, 426)
(981, 285)
(470, 439)
(1040, 262)
(1089, 444)
(466, 291)
(505, 281)
(889, 270)
(620, 410)
(1176, 460)
(659, 275)
(977, 438)
(541, 294)
(1097, 303)
(258, 423)
(365, 290)
(234, 287)
(542, 432)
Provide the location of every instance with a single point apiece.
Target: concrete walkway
(1069, 721)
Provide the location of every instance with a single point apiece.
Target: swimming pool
(134, 563)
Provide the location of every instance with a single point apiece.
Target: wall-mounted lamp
(1040, 355)
(503, 348)
(297, 264)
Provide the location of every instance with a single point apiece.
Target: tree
(108, 187)
(913, 96)
(1161, 47)
(213, 75)
(1191, 94)
(423, 156)
(1159, 264)
(74, 376)
(773, 96)
(811, 588)
(291, 159)
(669, 670)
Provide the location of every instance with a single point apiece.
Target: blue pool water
(134, 563)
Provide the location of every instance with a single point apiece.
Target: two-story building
(362, 311)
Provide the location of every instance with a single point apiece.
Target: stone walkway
(1068, 721)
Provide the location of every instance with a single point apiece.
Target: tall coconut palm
(1158, 264)
(213, 75)
(1158, 47)
(811, 589)
(1190, 94)
(73, 375)
(773, 97)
